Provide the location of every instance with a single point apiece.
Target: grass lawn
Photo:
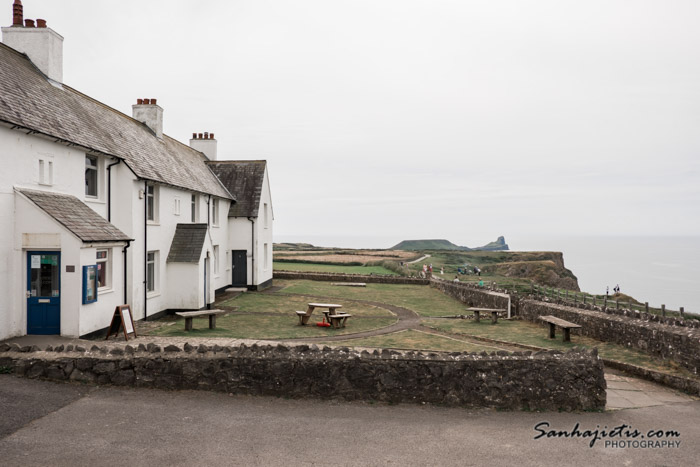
(422, 299)
(312, 267)
(416, 340)
(271, 316)
(524, 332)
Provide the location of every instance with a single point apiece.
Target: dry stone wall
(471, 295)
(518, 380)
(338, 277)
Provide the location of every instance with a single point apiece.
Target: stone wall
(518, 380)
(472, 295)
(338, 277)
(680, 344)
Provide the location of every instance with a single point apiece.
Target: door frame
(27, 287)
(233, 267)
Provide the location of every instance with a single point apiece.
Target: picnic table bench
(565, 325)
(338, 320)
(305, 315)
(212, 314)
(494, 313)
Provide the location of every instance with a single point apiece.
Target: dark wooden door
(240, 271)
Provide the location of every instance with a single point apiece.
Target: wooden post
(584, 297)
(605, 303)
(646, 307)
(682, 310)
(593, 300)
(617, 304)
(663, 310)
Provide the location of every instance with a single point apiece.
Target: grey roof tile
(75, 216)
(187, 244)
(244, 180)
(29, 100)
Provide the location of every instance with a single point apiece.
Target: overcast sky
(419, 119)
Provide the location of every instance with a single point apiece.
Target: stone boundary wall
(471, 295)
(549, 380)
(339, 277)
(680, 344)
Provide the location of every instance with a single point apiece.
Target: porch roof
(188, 242)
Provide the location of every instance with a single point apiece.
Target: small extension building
(99, 208)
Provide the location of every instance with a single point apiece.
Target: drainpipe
(109, 191)
(145, 249)
(252, 250)
(128, 243)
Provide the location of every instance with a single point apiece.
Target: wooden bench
(494, 313)
(212, 314)
(303, 317)
(553, 321)
(338, 320)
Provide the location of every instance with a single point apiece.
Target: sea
(655, 269)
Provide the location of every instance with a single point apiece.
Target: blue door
(43, 292)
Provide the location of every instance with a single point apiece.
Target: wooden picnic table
(494, 313)
(565, 325)
(330, 310)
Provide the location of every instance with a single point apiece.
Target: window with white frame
(91, 176)
(176, 206)
(216, 259)
(266, 256)
(151, 202)
(266, 216)
(45, 172)
(152, 271)
(215, 212)
(194, 205)
(104, 269)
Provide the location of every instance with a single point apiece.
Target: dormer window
(91, 176)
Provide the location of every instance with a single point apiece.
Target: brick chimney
(148, 112)
(204, 142)
(43, 46)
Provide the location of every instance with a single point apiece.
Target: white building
(99, 208)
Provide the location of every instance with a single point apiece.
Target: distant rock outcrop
(415, 245)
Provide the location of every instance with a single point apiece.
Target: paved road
(44, 423)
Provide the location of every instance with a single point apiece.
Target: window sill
(154, 294)
(154, 223)
(104, 291)
(90, 199)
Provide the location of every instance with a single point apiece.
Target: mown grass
(422, 299)
(524, 332)
(339, 268)
(417, 340)
(270, 316)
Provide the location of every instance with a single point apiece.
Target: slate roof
(29, 100)
(188, 242)
(76, 216)
(244, 180)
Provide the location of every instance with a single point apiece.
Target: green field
(339, 268)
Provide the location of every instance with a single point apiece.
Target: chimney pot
(17, 13)
(40, 23)
(211, 135)
(139, 101)
(206, 135)
(28, 23)
(146, 101)
(194, 135)
(200, 136)
(153, 101)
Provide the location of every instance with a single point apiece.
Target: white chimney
(43, 46)
(204, 142)
(146, 111)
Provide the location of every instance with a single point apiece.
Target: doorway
(43, 292)
(240, 272)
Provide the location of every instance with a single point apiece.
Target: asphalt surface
(43, 423)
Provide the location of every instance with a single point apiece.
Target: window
(266, 216)
(152, 271)
(152, 202)
(45, 172)
(104, 269)
(176, 207)
(216, 259)
(215, 212)
(194, 208)
(91, 176)
(89, 284)
(266, 257)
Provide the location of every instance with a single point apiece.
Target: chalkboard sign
(122, 319)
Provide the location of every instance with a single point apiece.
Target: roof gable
(244, 180)
(187, 244)
(29, 100)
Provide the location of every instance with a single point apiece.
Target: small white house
(99, 208)
(250, 221)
